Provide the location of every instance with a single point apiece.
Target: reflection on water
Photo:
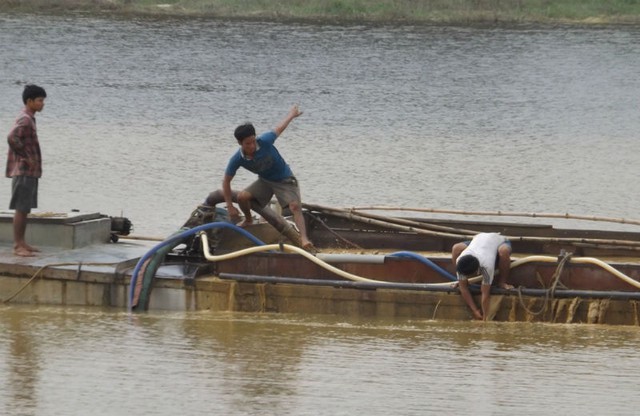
(140, 114)
(77, 361)
(22, 365)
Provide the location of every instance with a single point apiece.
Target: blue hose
(424, 260)
(175, 239)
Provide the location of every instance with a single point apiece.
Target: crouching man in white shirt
(480, 256)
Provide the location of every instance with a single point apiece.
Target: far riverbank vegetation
(408, 11)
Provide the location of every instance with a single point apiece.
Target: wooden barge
(368, 265)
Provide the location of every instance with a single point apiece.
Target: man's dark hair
(243, 131)
(467, 265)
(31, 92)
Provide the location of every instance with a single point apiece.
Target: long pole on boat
(420, 228)
(502, 214)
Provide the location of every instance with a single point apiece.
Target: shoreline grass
(584, 12)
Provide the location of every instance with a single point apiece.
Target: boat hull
(559, 289)
(259, 294)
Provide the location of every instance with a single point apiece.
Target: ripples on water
(76, 361)
(140, 113)
(139, 120)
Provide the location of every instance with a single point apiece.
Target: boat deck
(99, 275)
(122, 257)
(97, 257)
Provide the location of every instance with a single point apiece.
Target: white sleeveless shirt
(484, 247)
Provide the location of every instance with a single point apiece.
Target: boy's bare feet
(32, 248)
(23, 252)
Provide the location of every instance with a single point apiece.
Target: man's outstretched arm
(293, 113)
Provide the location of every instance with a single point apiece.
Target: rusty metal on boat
(400, 267)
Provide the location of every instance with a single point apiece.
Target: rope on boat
(548, 294)
(37, 273)
(335, 234)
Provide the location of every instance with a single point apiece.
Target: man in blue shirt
(259, 155)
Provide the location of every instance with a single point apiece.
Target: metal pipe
(351, 258)
(252, 278)
(587, 294)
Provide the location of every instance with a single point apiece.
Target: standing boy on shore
(24, 166)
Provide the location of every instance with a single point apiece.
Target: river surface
(76, 361)
(140, 113)
(139, 120)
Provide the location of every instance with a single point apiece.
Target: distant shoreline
(571, 12)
